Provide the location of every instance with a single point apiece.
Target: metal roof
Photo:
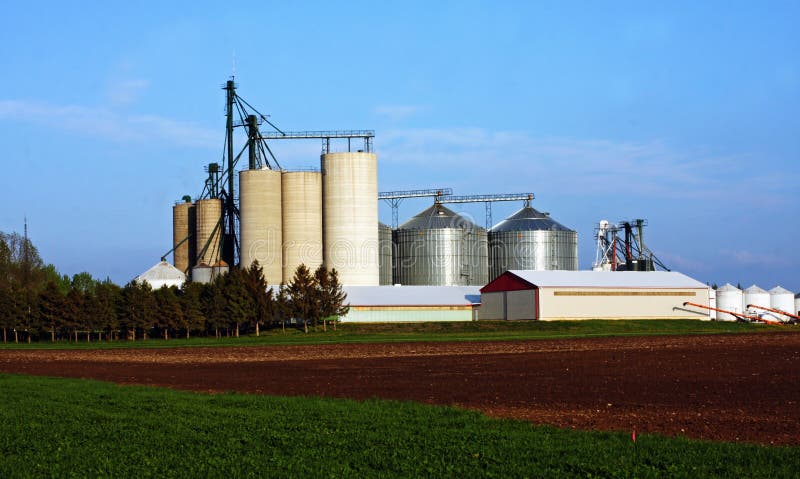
(528, 219)
(755, 290)
(779, 290)
(608, 279)
(162, 274)
(438, 217)
(412, 295)
(728, 287)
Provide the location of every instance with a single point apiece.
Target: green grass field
(466, 331)
(79, 428)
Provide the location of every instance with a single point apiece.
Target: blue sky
(683, 113)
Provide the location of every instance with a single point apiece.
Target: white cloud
(584, 166)
(398, 112)
(749, 258)
(110, 124)
(125, 92)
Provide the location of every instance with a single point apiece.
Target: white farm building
(400, 304)
(548, 295)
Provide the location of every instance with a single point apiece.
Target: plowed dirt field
(742, 387)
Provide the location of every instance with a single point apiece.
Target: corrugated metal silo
(350, 216)
(531, 240)
(797, 303)
(729, 298)
(386, 247)
(756, 296)
(209, 213)
(441, 247)
(782, 300)
(184, 225)
(201, 274)
(302, 221)
(260, 227)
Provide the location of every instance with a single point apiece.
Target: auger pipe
(738, 315)
(778, 311)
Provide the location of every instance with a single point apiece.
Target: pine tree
(261, 295)
(74, 312)
(51, 307)
(302, 296)
(191, 302)
(330, 297)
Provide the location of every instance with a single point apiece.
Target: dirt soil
(722, 387)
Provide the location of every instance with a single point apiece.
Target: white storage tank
(729, 298)
(260, 222)
(201, 274)
(758, 297)
(783, 300)
(350, 216)
(712, 301)
(797, 304)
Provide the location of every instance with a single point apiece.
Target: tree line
(39, 304)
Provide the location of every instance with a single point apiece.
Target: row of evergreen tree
(38, 304)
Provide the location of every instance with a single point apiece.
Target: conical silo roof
(437, 217)
(162, 274)
(728, 287)
(754, 290)
(779, 290)
(528, 219)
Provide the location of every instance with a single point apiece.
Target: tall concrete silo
(440, 247)
(532, 240)
(350, 216)
(184, 227)
(302, 221)
(209, 231)
(260, 224)
(386, 248)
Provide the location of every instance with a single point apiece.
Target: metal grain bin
(531, 240)
(385, 250)
(440, 247)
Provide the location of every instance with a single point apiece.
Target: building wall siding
(612, 303)
(521, 305)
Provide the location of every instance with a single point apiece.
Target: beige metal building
(548, 295)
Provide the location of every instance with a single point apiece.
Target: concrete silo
(440, 247)
(530, 240)
(301, 196)
(209, 230)
(260, 229)
(350, 216)
(184, 227)
(386, 253)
